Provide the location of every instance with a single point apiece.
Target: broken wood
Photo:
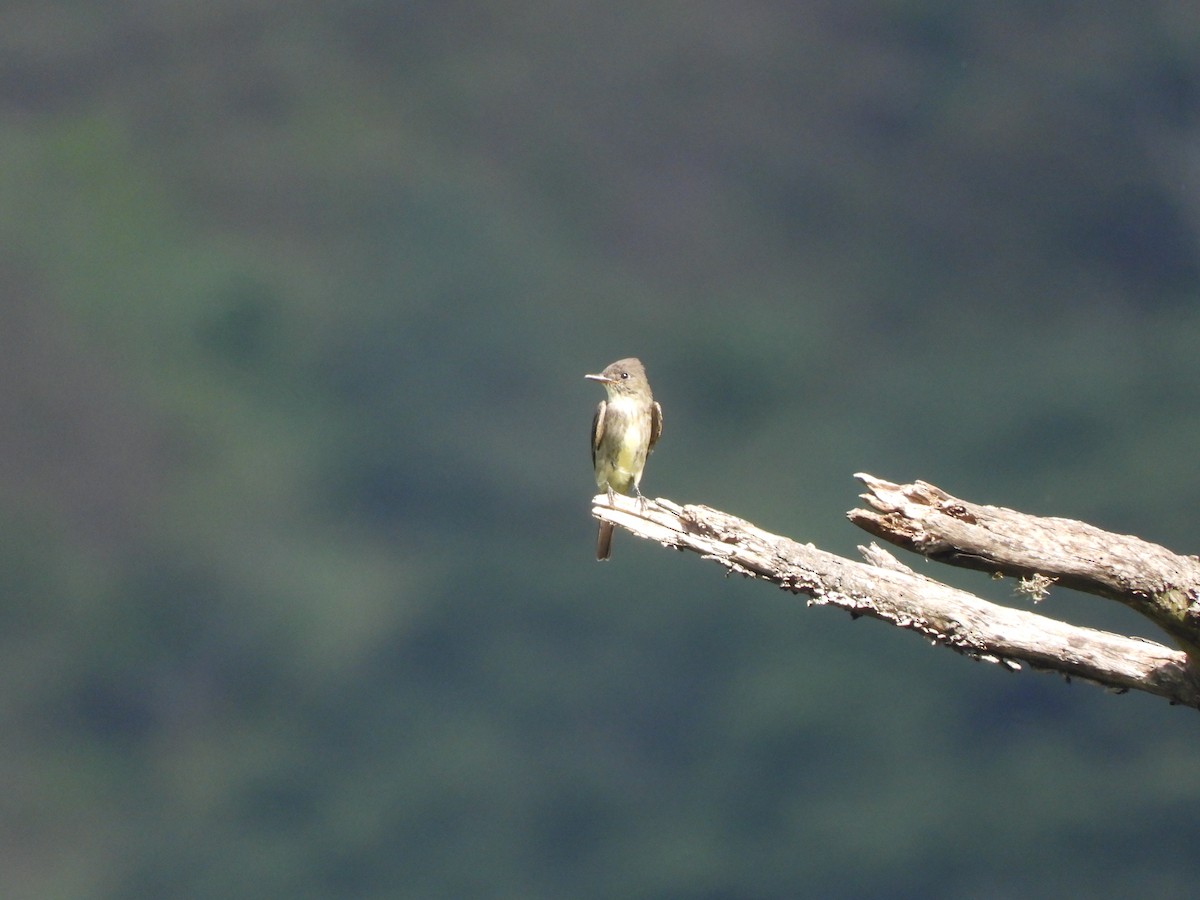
(1041, 551)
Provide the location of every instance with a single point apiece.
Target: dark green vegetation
(298, 590)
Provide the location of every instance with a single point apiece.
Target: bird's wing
(597, 429)
(655, 424)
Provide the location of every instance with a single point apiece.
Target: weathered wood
(1149, 579)
(885, 589)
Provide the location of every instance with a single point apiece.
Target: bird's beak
(602, 378)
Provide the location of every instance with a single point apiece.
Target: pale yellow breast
(632, 455)
(631, 452)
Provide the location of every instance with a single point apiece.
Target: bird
(625, 429)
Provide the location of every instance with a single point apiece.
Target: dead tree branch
(885, 589)
(1147, 578)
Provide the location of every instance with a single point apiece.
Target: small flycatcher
(624, 430)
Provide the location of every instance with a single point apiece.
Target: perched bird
(624, 431)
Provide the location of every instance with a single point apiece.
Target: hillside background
(297, 596)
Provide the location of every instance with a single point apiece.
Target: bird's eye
(624, 375)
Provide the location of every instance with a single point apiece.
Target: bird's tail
(604, 540)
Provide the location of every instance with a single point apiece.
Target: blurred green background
(298, 590)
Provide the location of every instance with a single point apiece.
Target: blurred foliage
(297, 577)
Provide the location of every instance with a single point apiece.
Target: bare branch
(887, 590)
(1148, 578)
